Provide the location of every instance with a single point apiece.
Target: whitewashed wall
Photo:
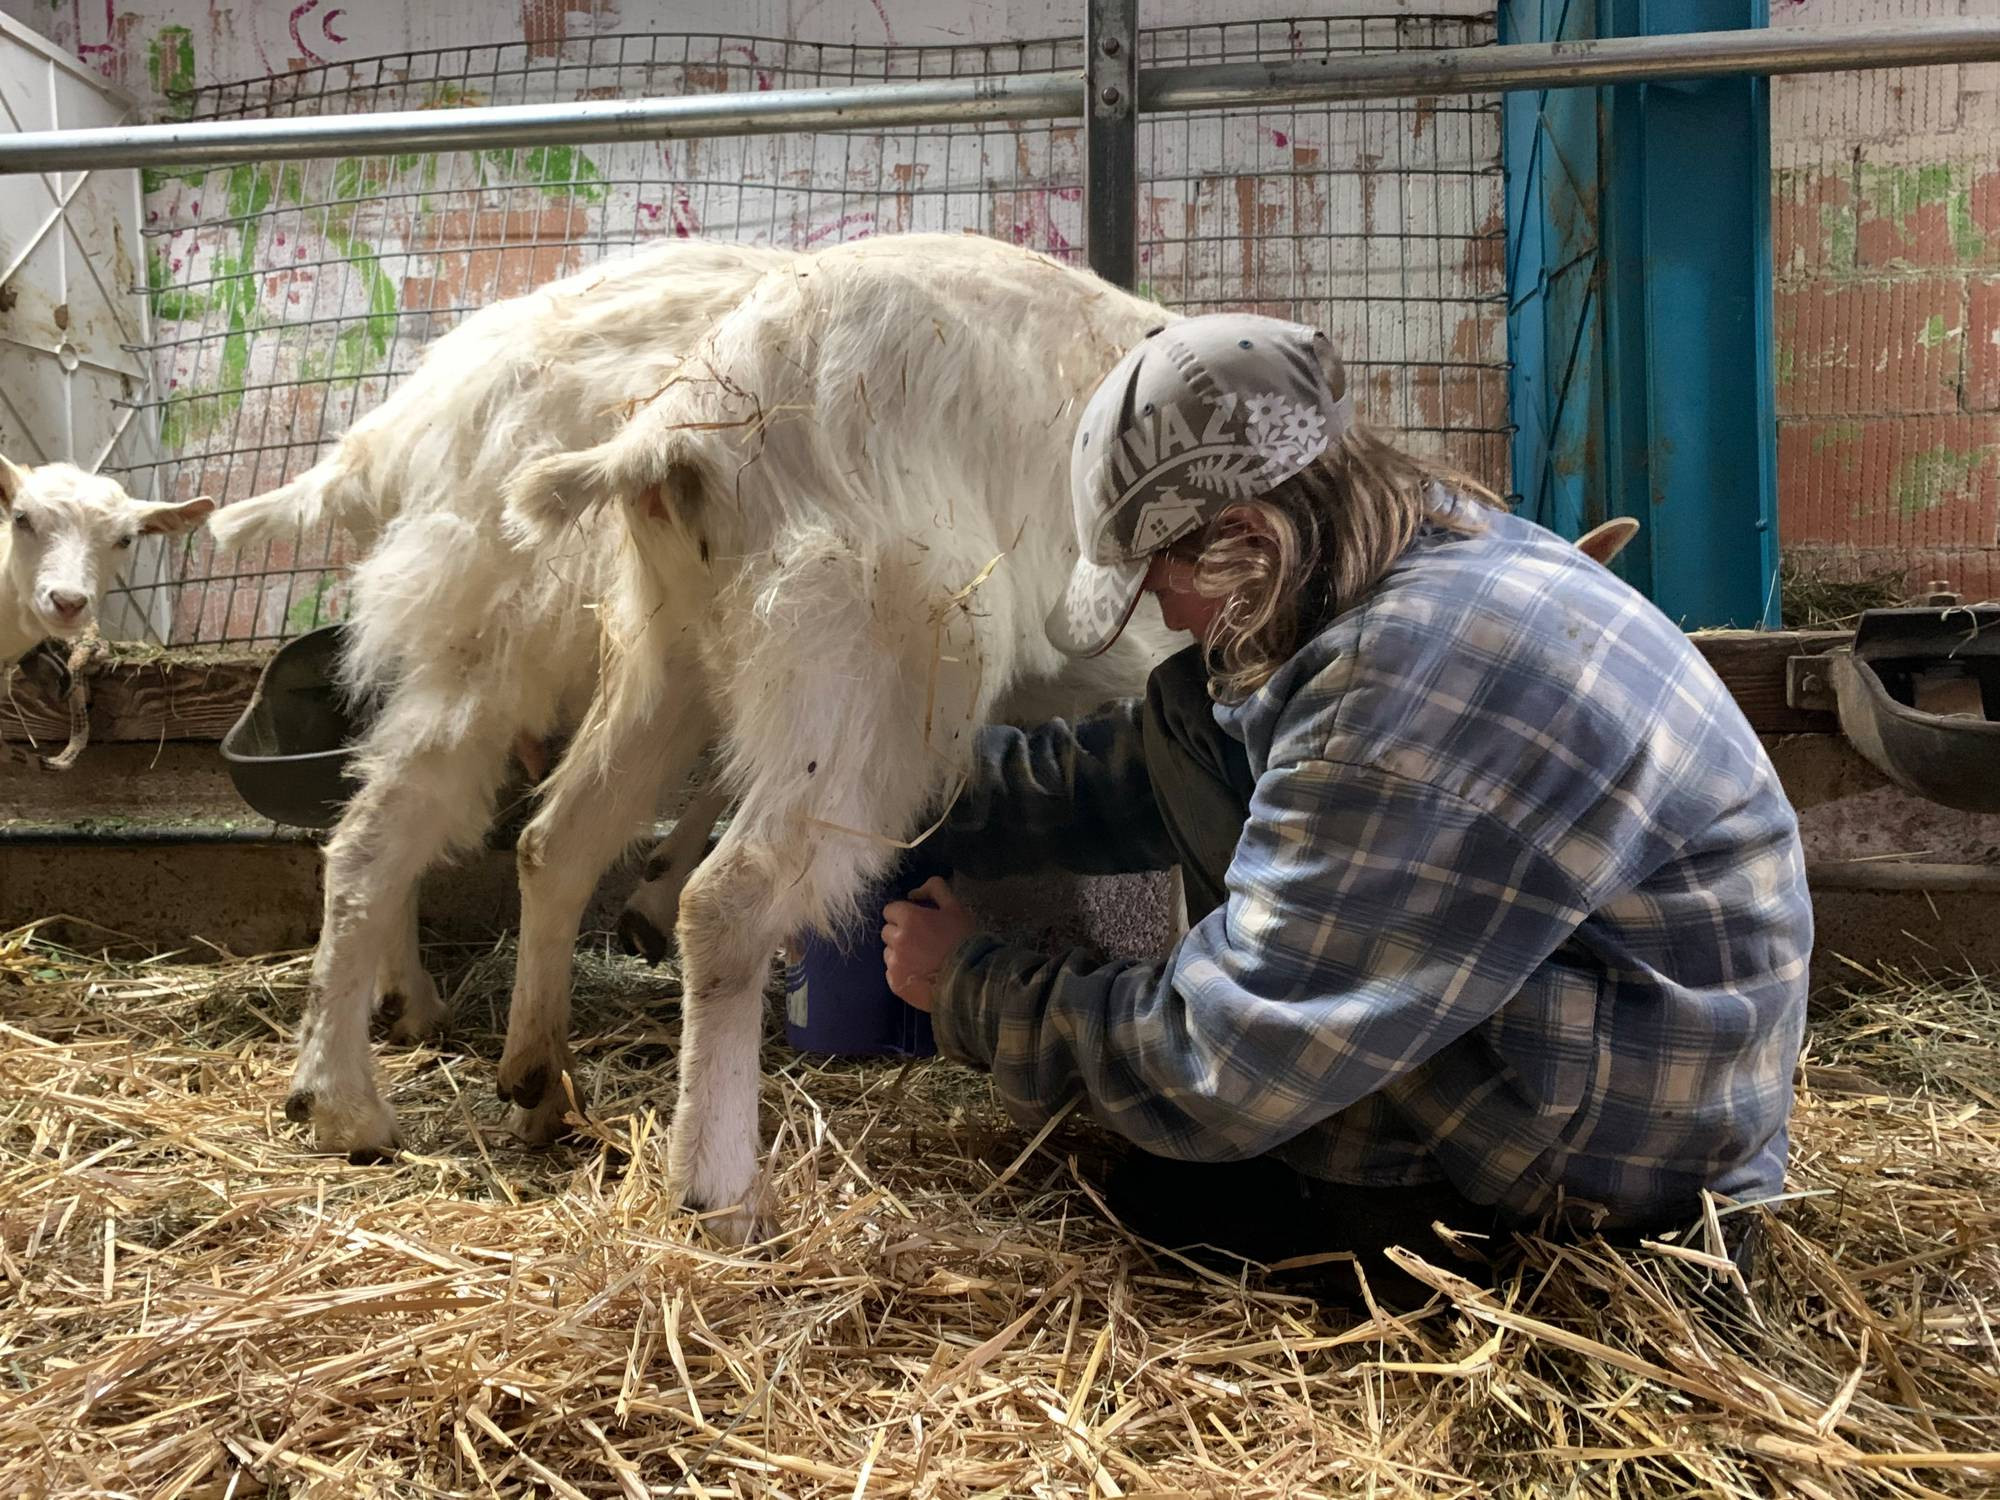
(289, 298)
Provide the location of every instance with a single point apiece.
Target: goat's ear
(163, 516)
(1602, 543)
(13, 480)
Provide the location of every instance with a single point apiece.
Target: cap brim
(1096, 605)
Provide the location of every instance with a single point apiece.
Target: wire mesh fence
(289, 298)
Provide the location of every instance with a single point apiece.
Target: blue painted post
(1639, 276)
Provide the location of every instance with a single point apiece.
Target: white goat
(65, 533)
(469, 644)
(472, 647)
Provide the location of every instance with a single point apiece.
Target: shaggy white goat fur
(469, 644)
(63, 533)
(466, 644)
(851, 516)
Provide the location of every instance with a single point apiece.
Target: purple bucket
(837, 996)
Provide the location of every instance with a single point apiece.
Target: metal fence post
(1639, 273)
(1111, 139)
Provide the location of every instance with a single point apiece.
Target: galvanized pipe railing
(1034, 96)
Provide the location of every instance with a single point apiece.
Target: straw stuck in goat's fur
(193, 1305)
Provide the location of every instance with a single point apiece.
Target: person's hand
(916, 940)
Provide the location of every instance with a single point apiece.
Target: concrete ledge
(265, 897)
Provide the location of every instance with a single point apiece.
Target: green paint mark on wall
(1935, 333)
(309, 613)
(170, 69)
(560, 171)
(1926, 480)
(1835, 432)
(250, 193)
(1838, 224)
(1896, 193)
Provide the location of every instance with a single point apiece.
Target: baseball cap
(1207, 412)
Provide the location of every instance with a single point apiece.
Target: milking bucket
(837, 996)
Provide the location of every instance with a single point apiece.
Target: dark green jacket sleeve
(1058, 797)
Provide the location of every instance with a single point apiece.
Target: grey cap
(1207, 412)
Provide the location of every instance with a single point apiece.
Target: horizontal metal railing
(1474, 70)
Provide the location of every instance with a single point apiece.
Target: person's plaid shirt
(1520, 904)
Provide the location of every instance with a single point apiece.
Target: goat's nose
(67, 604)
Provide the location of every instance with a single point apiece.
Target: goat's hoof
(415, 1015)
(533, 1085)
(736, 1226)
(525, 1087)
(640, 938)
(356, 1125)
(373, 1156)
(543, 1123)
(744, 1217)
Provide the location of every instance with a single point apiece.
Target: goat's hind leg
(414, 805)
(594, 804)
(646, 925)
(406, 997)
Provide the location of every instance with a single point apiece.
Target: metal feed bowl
(288, 753)
(1879, 685)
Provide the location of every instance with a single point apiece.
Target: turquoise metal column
(1639, 281)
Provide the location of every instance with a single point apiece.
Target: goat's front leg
(595, 803)
(413, 806)
(651, 912)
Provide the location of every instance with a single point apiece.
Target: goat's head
(69, 533)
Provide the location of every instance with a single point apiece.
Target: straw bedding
(191, 1304)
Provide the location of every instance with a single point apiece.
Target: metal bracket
(1111, 139)
(1809, 685)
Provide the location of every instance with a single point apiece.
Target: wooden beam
(1751, 664)
(198, 695)
(159, 696)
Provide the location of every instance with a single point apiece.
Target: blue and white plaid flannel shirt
(1520, 905)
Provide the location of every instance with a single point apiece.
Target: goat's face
(69, 533)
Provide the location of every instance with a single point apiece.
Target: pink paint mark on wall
(864, 222)
(687, 223)
(1034, 223)
(749, 55)
(299, 13)
(96, 49)
(888, 31)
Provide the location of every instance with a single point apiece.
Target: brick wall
(1886, 228)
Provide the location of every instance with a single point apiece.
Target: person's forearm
(1064, 797)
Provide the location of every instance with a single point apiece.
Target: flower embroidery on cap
(1262, 411)
(1286, 434)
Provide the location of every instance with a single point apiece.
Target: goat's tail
(334, 489)
(547, 496)
(664, 474)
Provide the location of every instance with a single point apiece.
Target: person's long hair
(1330, 533)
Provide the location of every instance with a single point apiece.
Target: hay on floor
(194, 1305)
